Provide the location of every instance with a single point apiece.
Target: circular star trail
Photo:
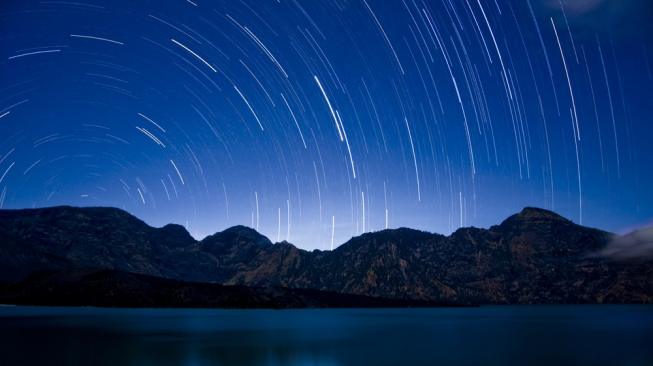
(313, 121)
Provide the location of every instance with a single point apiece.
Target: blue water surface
(501, 335)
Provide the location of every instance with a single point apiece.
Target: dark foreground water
(510, 335)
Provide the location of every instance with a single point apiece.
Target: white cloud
(577, 7)
(636, 245)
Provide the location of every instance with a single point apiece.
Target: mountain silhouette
(111, 288)
(534, 256)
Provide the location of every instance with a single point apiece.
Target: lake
(493, 335)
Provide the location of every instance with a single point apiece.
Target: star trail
(315, 121)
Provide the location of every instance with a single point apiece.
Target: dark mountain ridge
(111, 288)
(534, 256)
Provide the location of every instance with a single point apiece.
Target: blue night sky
(314, 121)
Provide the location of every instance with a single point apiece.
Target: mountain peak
(536, 212)
(177, 232)
(533, 215)
(242, 232)
(174, 228)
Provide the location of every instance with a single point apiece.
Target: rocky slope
(535, 256)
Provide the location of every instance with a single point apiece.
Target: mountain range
(534, 256)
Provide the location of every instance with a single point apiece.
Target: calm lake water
(503, 335)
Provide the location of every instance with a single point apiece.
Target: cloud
(577, 7)
(613, 17)
(636, 245)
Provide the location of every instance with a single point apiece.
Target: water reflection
(540, 335)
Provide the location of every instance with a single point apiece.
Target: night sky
(314, 121)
